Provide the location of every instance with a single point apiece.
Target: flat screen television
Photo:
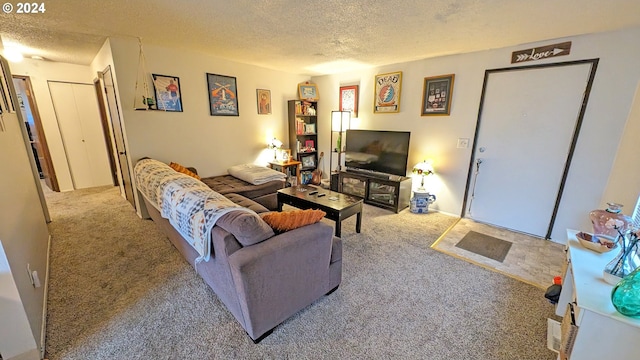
(385, 152)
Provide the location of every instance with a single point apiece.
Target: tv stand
(382, 190)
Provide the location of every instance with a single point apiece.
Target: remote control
(312, 192)
(323, 194)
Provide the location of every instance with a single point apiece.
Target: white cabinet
(603, 333)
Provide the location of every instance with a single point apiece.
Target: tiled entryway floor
(533, 260)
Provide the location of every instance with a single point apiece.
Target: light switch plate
(463, 143)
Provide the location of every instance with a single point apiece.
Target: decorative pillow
(289, 220)
(181, 169)
(247, 228)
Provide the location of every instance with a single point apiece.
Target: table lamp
(423, 168)
(275, 144)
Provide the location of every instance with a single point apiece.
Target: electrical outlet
(463, 143)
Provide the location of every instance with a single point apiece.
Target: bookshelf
(303, 135)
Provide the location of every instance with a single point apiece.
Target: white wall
(23, 231)
(435, 137)
(40, 72)
(193, 137)
(624, 181)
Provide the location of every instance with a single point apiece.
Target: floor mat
(485, 245)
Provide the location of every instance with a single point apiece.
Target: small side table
(420, 201)
(284, 166)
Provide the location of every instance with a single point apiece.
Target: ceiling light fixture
(13, 55)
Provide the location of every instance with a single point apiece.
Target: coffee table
(337, 206)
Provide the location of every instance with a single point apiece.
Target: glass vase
(599, 219)
(627, 260)
(625, 296)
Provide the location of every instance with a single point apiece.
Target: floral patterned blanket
(189, 205)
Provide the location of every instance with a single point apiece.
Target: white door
(525, 131)
(76, 109)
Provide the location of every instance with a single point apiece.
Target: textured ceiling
(310, 37)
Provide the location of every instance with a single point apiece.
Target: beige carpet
(530, 259)
(119, 290)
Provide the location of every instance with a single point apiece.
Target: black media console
(386, 191)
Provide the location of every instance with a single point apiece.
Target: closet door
(78, 116)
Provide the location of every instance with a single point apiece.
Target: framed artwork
(308, 92)
(436, 95)
(308, 161)
(309, 144)
(264, 101)
(309, 128)
(223, 95)
(387, 93)
(167, 92)
(349, 99)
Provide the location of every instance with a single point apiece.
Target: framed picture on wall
(349, 99)
(387, 93)
(436, 95)
(223, 95)
(167, 92)
(264, 101)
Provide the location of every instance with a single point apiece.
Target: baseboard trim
(43, 330)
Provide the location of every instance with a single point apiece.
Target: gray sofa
(265, 282)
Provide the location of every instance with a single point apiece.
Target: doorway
(35, 131)
(528, 124)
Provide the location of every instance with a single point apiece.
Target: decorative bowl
(595, 243)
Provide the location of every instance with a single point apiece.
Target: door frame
(117, 125)
(47, 166)
(574, 140)
(105, 129)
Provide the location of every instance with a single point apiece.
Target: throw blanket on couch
(189, 205)
(255, 174)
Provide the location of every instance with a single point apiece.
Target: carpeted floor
(119, 290)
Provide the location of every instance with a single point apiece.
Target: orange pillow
(289, 220)
(181, 169)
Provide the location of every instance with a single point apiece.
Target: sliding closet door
(78, 116)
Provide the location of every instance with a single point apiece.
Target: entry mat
(485, 245)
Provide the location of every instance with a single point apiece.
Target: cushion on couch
(248, 203)
(247, 228)
(289, 220)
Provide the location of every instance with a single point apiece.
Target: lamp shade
(340, 120)
(423, 168)
(275, 144)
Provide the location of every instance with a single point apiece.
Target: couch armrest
(280, 276)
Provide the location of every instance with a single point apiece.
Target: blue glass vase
(625, 296)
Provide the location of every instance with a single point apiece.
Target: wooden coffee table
(337, 206)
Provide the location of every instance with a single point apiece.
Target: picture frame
(308, 160)
(387, 92)
(309, 128)
(436, 95)
(167, 92)
(349, 99)
(263, 99)
(285, 155)
(309, 144)
(223, 95)
(308, 92)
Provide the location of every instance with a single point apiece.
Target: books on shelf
(305, 108)
(300, 126)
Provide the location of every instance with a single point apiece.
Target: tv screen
(381, 151)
